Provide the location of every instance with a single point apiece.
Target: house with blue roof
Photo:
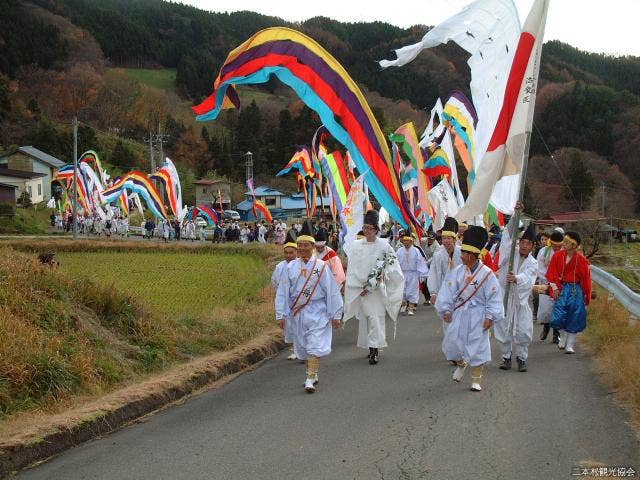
(281, 205)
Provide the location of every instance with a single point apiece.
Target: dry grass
(615, 342)
(66, 336)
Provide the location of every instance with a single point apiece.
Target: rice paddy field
(173, 283)
(113, 312)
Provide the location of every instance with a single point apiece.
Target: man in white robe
(516, 331)
(373, 287)
(446, 258)
(290, 254)
(415, 270)
(470, 300)
(308, 296)
(546, 302)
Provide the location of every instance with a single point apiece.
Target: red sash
(306, 290)
(474, 292)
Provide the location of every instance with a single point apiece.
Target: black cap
(450, 227)
(321, 236)
(529, 233)
(306, 233)
(474, 239)
(290, 239)
(371, 218)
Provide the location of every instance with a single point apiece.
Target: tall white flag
(506, 149)
(353, 211)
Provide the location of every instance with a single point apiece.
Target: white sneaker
(309, 385)
(410, 312)
(293, 356)
(475, 386)
(562, 341)
(569, 350)
(459, 373)
(403, 308)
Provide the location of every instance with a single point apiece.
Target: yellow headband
(567, 238)
(447, 233)
(306, 238)
(551, 243)
(469, 248)
(291, 245)
(407, 237)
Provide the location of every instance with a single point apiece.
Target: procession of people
(471, 278)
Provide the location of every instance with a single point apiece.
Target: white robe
(414, 268)
(276, 276)
(190, 231)
(465, 338)
(311, 328)
(517, 326)
(441, 264)
(545, 302)
(385, 298)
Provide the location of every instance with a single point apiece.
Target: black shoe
(522, 364)
(506, 364)
(545, 331)
(556, 336)
(373, 357)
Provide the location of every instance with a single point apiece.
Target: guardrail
(627, 297)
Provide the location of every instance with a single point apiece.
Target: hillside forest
(129, 70)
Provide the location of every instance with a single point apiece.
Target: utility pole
(160, 137)
(249, 164)
(603, 200)
(74, 215)
(152, 160)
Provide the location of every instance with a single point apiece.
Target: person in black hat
(374, 286)
(446, 258)
(308, 296)
(516, 332)
(470, 301)
(290, 248)
(415, 270)
(429, 245)
(545, 302)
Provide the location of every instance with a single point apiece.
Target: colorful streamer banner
(258, 206)
(323, 85)
(139, 183)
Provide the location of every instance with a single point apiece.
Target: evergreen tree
(581, 184)
(122, 156)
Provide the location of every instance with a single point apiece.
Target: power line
(562, 177)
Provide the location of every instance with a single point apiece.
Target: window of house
(29, 190)
(270, 201)
(204, 190)
(39, 189)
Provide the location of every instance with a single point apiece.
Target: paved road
(401, 419)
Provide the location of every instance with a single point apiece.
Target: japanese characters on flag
(506, 150)
(353, 212)
(444, 203)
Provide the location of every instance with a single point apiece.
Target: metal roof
(263, 191)
(40, 155)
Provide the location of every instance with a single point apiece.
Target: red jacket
(576, 271)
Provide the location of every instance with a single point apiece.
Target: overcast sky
(592, 25)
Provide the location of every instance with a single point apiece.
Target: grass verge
(614, 340)
(116, 311)
(33, 220)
